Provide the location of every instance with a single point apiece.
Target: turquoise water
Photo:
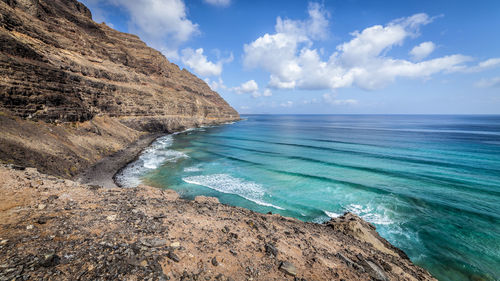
(430, 184)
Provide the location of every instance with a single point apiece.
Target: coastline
(48, 226)
(104, 171)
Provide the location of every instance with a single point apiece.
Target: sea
(429, 183)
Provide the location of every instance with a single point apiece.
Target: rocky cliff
(57, 66)
(52, 229)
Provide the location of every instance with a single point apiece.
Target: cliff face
(57, 66)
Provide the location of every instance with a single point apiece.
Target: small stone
(29, 227)
(50, 259)
(42, 220)
(233, 252)
(379, 273)
(3, 242)
(111, 217)
(288, 268)
(144, 263)
(271, 250)
(153, 242)
(215, 262)
(41, 206)
(175, 244)
(171, 255)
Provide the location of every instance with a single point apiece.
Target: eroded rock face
(57, 64)
(73, 91)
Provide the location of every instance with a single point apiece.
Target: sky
(328, 56)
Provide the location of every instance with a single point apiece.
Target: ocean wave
(369, 215)
(151, 158)
(332, 214)
(227, 184)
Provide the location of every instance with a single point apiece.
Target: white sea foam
(227, 184)
(332, 214)
(369, 215)
(192, 169)
(151, 158)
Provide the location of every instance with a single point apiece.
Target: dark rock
(271, 250)
(17, 167)
(215, 262)
(288, 268)
(49, 259)
(171, 255)
(42, 220)
(153, 242)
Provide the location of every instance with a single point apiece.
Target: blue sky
(328, 57)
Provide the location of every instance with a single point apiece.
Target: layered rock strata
(58, 66)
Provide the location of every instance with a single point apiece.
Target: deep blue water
(430, 184)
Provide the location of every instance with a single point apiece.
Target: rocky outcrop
(59, 66)
(54, 229)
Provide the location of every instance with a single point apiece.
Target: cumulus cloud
(157, 22)
(221, 3)
(292, 62)
(251, 87)
(247, 87)
(198, 62)
(422, 51)
(489, 83)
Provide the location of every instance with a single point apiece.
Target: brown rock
(206, 199)
(96, 89)
(288, 268)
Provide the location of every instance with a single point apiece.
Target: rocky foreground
(56, 229)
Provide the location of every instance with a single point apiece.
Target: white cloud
(251, 87)
(215, 85)
(489, 63)
(266, 93)
(247, 87)
(159, 21)
(221, 3)
(196, 60)
(292, 62)
(286, 104)
(422, 51)
(275, 53)
(330, 99)
(489, 83)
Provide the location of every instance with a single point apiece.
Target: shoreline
(48, 226)
(104, 171)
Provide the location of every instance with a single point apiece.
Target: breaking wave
(150, 159)
(227, 184)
